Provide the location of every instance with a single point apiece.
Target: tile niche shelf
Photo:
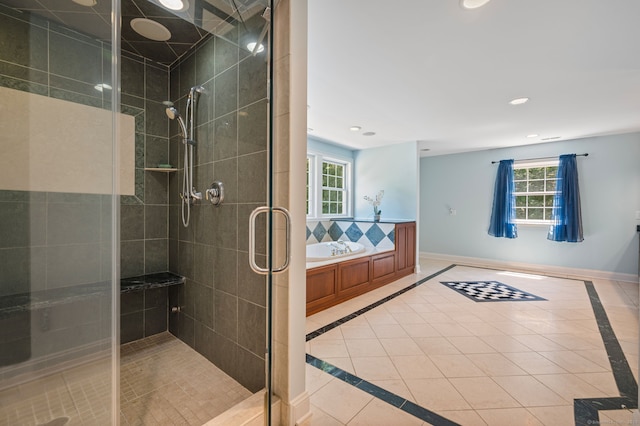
(161, 169)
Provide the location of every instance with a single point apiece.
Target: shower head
(173, 114)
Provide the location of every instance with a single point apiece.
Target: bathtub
(331, 250)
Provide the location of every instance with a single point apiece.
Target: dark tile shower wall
(144, 218)
(44, 236)
(223, 301)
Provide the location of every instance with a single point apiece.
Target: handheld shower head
(194, 90)
(173, 114)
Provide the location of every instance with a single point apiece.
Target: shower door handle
(252, 239)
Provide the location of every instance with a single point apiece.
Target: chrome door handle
(252, 239)
(287, 219)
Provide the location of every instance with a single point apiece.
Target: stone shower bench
(64, 295)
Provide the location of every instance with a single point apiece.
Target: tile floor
(473, 363)
(162, 382)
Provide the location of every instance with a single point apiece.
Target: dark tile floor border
(585, 409)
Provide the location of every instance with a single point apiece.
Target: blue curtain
(504, 203)
(566, 214)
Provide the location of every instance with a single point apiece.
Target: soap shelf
(161, 169)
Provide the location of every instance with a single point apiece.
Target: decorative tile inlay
(319, 232)
(335, 232)
(392, 235)
(375, 234)
(490, 291)
(353, 232)
(308, 232)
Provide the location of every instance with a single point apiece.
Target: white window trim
(527, 164)
(315, 184)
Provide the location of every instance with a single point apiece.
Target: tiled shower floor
(163, 382)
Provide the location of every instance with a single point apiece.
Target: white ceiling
(430, 71)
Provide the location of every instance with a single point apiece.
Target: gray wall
(223, 302)
(610, 194)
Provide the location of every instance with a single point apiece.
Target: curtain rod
(586, 154)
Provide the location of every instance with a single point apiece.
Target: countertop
(369, 220)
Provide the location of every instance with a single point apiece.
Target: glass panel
(536, 214)
(536, 200)
(57, 232)
(536, 173)
(521, 186)
(547, 214)
(552, 172)
(551, 185)
(548, 200)
(521, 213)
(521, 201)
(520, 174)
(536, 186)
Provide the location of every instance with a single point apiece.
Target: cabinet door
(401, 247)
(410, 233)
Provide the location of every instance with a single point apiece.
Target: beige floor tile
(504, 343)
(340, 400)
(470, 345)
(496, 364)
(456, 366)
(573, 362)
(315, 379)
(482, 393)
(329, 348)
(416, 367)
(436, 394)
(436, 345)
(365, 347)
(538, 343)
(618, 417)
(389, 330)
(363, 331)
(380, 318)
(554, 416)
(529, 392)
(375, 368)
(534, 363)
(420, 330)
(451, 329)
(401, 346)
(570, 386)
(464, 417)
(509, 417)
(602, 381)
(379, 413)
(320, 418)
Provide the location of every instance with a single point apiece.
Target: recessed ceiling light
(519, 101)
(150, 29)
(425, 149)
(552, 138)
(368, 133)
(355, 128)
(309, 129)
(473, 4)
(175, 4)
(251, 46)
(533, 135)
(88, 3)
(102, 86)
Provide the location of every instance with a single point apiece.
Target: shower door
(58, 207)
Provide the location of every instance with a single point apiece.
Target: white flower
(375, 202)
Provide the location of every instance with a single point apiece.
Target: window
(535, 187)
(328, 186)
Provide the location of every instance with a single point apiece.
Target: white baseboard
(557, 271)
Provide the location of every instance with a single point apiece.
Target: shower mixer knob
(215, 193)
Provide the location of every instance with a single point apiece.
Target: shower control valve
(215, 193)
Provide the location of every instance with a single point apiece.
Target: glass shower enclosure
(99, 276)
